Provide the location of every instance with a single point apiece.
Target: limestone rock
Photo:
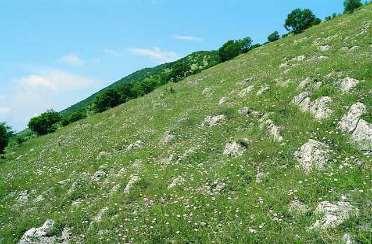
(235, 149)
(136, 145)
(312, 155)
(246, 91)
(350, 120)
(132, 181)
(168, 137)
(333, 214)
(320, 108)
(298, 208)
(213, 120)
(176, 182)
(43, 235)
(99, 175)
(347, 84)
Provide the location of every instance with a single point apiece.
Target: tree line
(296, 22)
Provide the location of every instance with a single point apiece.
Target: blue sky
(54, 53)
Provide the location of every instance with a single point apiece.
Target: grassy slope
(245, 210)
(195, 58)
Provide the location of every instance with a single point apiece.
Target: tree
(233, 48)
(351, 5)
(108, 99)
(273, 36)
(299, 20)
(5, 134)
(73, 117)
(45, 123)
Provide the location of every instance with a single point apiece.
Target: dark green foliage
(233, 48)
(128, 87)
(45, 123)
(73, 117)
(351, 5)
(273, 36)
(328, 18)
(109, 99)
(300, 19)
(5, 134)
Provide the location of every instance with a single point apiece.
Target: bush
(108, 99)
(351, 5)
(5, 134)
(75, 116)
(45, 123)
(233, 48)
(273, 36)
(299, 20)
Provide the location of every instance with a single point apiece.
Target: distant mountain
(194, 63)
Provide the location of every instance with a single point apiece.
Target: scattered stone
(22, 197)
(235, 149)
(324, 48)
(222, 100)
(272, 129)
(312, 155)
(304, 83)
(298, 208)
(320, 108)
(347, 84)
(132, 181)
(137, 145)
(298, 58)
(262, 90)
(347, 239)
(207, 92)
(168, 137)
(100, 215)
(213, 189)
(99, 175)
(179, 180)
(350, 120)
(103, 154)
(213, 120)
(248, 112)
(333, 214)
(43, 235)
(260, 176)
(360, 130)
(246, 91)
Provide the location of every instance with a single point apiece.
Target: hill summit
(273, 146)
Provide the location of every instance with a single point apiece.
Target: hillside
(271, 147)
(196, 62)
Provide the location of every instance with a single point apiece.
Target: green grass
(244, 211)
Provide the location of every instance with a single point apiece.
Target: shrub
(5, 134)
(299, 20)
(108, 99)
(351, 5)
(45, 123)
(273, 36)
(233, 48)
(75, 116)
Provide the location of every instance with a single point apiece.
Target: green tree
(5, 134)
(108, 99)
(45, 123)
(351, 5)
(300, 19)
(73, 117)
(273, 36)
(233, 48)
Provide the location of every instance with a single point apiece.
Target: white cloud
(35, 93)
(5, 110)
(54, 80)
(112, 52)
(187, 38)
(156, 54)
(72, 59)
